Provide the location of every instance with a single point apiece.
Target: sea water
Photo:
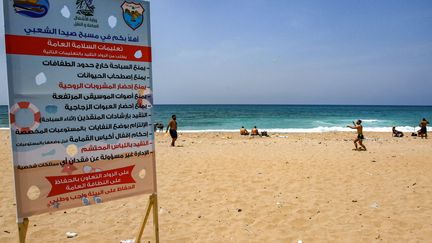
(292, 118)
(284, 118)
(4, 122)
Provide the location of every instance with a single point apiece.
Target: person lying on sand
(423, 130)
(243, 131)
(254, 131)
(397, 133)
(158, 126)
(360, 136)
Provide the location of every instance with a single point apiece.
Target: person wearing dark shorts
(172, 127)
(423, 128)
(358, 126)
(173, 133)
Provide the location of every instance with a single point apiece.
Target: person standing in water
(172, 127)
(360, 135)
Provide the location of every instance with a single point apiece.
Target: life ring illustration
(141, 102)
(25, 105)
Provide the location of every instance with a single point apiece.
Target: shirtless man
(243, 131)
(423, 130)
(360, 136)
(254, 131)
(172, 126)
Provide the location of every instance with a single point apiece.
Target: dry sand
(221, 187)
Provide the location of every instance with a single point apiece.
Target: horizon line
(298, 104)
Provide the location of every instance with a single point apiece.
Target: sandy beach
(222, 187)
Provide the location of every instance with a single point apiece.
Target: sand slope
(221, 187)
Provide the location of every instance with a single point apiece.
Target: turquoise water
(4, 116)
(285, 118)
(292, 118)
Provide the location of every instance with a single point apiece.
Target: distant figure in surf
(172, 126)
(360, 136)
(423, 130)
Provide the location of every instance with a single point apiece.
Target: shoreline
(287, 130)
(224, 187)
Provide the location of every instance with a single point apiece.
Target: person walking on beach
(172, 126)
(360, 135)
(423, 130)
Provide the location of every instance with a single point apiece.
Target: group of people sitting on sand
(420, 133)
(254, 132)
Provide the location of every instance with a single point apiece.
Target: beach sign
(80, 102)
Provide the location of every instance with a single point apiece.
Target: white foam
(371, 120)
(300, 130)
(209, 130)
(309, 130)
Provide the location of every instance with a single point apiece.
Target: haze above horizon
(287, 52)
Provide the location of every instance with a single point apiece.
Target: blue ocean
(284, 118)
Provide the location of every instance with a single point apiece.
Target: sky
(288, 52)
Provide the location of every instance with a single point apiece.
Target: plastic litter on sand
(71, 234)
